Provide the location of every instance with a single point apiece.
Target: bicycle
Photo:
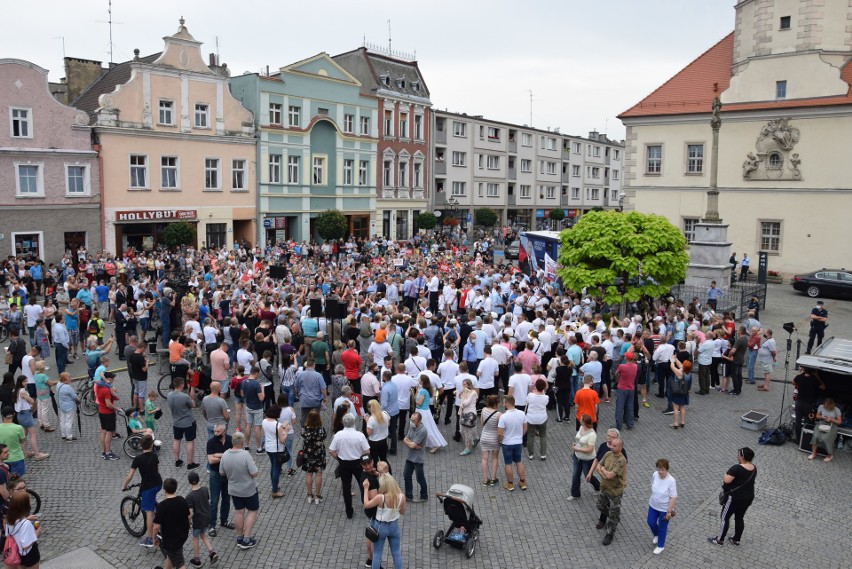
(86, 394)
(132, 515)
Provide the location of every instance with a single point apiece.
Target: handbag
(300, 458)
(824, 428)
(11, 553)
(469, 420)
(283, 457)
(370, 532)
(9, 357)
(723, 495)
(476, 439)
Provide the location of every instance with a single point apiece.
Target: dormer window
(385, 79)
(415, 85)
(400, 83)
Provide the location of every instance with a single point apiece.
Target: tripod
(789, 328)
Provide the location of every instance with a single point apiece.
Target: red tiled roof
(692, 90)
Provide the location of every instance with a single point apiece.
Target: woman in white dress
(424, 398)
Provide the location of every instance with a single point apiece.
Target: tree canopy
(179, 234)
(486, 217)
(644, 253)
(427, 220)
(332, 224)
(557, 214)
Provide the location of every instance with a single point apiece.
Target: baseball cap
(820, 302)
(365, 458)
(629, 355)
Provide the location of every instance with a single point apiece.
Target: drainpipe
(98, 148)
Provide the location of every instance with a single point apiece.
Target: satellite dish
(437, 214)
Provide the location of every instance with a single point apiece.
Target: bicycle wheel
(87, 404)
(164, 385)
(35, 501)
(133, 446)
(4, 334)
(132, 516)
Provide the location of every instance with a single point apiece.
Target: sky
(585, 61)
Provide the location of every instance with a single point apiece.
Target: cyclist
(148, 465)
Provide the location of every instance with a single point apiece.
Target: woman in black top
(738, 483)
(563, 389)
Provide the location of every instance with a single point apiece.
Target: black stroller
(464, 528)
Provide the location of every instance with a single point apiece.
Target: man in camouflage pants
(613, 471)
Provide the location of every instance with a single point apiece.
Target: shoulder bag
(370, 532)
(283, 458)
(724, 494)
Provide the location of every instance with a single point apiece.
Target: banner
(549, 267)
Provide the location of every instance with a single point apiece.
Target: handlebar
(137, 485)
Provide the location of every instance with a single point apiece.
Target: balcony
(566, 177)
(418, 194)
(440, 198)
(440, 167)
(513, 146)
(513, 173)
(440, 136)
(566, 153)
(510, 200)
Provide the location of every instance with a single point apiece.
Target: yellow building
(783, 77)
(174, 146)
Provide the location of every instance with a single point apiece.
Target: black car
(513, 250)
(824, 282)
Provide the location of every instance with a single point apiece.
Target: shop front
(278, 227)
(143, 230)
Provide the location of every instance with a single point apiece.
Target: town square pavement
(797, 518)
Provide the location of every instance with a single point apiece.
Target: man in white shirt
(415, 364)
(503, 357)
(522, 330)
(511, 429)
(447, 372)
(519, 386)
(662, 367)
(404, 384)
(347, 446)
(378, 351)
(487, 373)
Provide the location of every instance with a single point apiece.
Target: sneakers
(417, 500)
(658, 550)
(465, 452)
(543, 457)
(522, 484)
(654, 541)
(260, 451)
(192, 466)
(530, 457)
(318, 500)
(733, 541)
(178, 463)
(509, 486)
(310, 499)
(715, 541)
(606, 400)
(103, 455)
(147, 542)
(214, 557)
(291, 472)
(668, 412)
(195, 562)
(571, 498)
(246, 543)
(211, 532)
(645, 404)
(607, 539)
(109, 456)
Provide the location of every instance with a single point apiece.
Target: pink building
(50, 198)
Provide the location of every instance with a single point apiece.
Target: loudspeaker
(805, 442)
(331, 310)
(342, 310)
(277, 271)
(316, 308)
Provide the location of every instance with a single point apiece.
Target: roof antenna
(390, 52)
(217, 50)
(110, 22)
(531, 106)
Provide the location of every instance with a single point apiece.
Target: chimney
(80, 74)
(214, 60)
(593, 135)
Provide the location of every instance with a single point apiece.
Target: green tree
(557, 214)
(427, 220)
(179, 234)
(486, 217)
(332, 224)
(643, 252)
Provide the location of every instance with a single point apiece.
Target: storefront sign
(572, 213)
(156, 215)
(539, 213)
(279, 222)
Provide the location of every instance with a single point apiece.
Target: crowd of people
(304, 352)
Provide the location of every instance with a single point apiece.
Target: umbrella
(79, 422)
(53, 402)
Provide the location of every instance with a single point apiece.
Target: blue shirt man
(103, 292)
(310, 327)
(310, 389)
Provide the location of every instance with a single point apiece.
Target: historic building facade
(174, 146)
(783, 77)
(50, 179)
(317, 147)
(404, 113)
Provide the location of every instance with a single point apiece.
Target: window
(138, 171)
(575, 170)
(211, 174)
(201, 116)
(481, 192)
(550, 192)
(770, 236)
(596, 194)
(550, 167)
(694, 158)
(526, 165)
(274, 168)
(403, 125)
(238, 175)
(576, 147)
(459, 129)
(77, 180)
(615, 175)
(493, 190)
(525, 191)
(780, 89)
(418, 127)
(459, 158)
(654, 164)
(388, 123)
(363, 168)
(775, 161)
(365, 125)
(481, 132)
(615, 154)
(596, 151)
(348, 123)
(319, 170)
(167, 112)
(613, 195)
(293, 169)
(20, 122)
(275, 113)
(348, 172)
(216, 234)
(575, 193)
(596, 173)
(458, 189)
(30, 180)
(294, 115)
(551, 143)
(526, 139)
(403, 174)
(494, 133)
(169, 172)
(689, 228)
(480, 158)
(387, 174)
(418, 175)
(785, 23)
(493, 162)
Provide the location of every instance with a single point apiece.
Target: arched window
(775, 161)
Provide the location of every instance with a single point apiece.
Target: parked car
(512, 250)
(824, 282)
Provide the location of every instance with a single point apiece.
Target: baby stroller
(463, 532)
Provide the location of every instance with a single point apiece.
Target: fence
(734, 299)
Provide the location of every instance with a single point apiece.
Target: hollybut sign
(156, 215)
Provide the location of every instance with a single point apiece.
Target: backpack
(93, 328)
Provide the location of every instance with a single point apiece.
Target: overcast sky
(584, 60)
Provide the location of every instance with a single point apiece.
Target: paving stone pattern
(797, 519)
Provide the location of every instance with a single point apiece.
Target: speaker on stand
(316, 307)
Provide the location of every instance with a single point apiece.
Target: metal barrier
(734, 298)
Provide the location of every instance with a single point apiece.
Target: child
(236, 389)
(43, 385)
(199, 504)
(135, 424)
(151, 410)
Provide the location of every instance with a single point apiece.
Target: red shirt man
(627, 373)
(352, 365)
